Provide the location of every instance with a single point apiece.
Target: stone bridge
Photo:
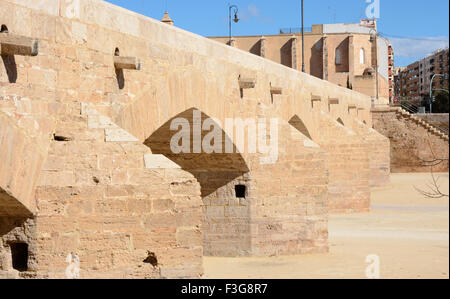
(85, 131)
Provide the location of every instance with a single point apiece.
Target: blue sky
(415, 27)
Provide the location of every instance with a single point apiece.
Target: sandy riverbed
(408, 232)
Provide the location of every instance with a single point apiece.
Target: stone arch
(225, 184)
(297, 123)
(339, 120)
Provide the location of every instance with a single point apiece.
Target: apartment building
(391, 73)
(399, 81)
(413, 82)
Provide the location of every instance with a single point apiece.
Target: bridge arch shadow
(225, 183)
(297, 123)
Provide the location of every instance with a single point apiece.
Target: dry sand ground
(408, 232)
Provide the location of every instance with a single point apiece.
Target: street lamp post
(303, 42)
(236, 19)
(445, 76)
(375, 40)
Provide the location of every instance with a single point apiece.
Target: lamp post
(303, 42)
(445, 76)
(374, 38)
(236, 19)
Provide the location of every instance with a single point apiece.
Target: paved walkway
(409, 234)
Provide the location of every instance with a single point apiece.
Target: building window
(362, 58)
(338, 56)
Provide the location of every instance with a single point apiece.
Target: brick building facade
(343, 54)
(413, 82)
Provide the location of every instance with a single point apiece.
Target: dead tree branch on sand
(434, 187)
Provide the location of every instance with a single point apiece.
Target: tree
(434, 188)
(441, 103)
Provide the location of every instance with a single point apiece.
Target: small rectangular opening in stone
(19, 253)
(240, 191)
(61, 138)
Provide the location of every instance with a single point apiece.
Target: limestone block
(11, 44)
(23, 158)
(50, 7)
(247, 82)
(127, 63)
(70, 9)
(113, 133)
(11, 274)
(119, 135)
(79, 32)
(17, 18)
(333, 101)
(310, 143)
(159, 161)
(97, 121)
(276, 90)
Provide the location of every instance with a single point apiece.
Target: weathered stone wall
(289, 206)
(378, 149)
(20, 168)
(348, 164)
(226, 218)
(439, 120)
(412, 142)
(262, 221)
(15, 230)
(97, 198)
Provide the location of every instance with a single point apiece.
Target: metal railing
(443, 129)
(410, 107)
(414, 109)
(294, 30)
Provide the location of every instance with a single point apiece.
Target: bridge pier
(252, 208)
(347, 162)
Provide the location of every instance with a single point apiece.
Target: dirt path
(408, 232)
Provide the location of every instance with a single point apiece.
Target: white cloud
(253, 10)
(419, 47)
